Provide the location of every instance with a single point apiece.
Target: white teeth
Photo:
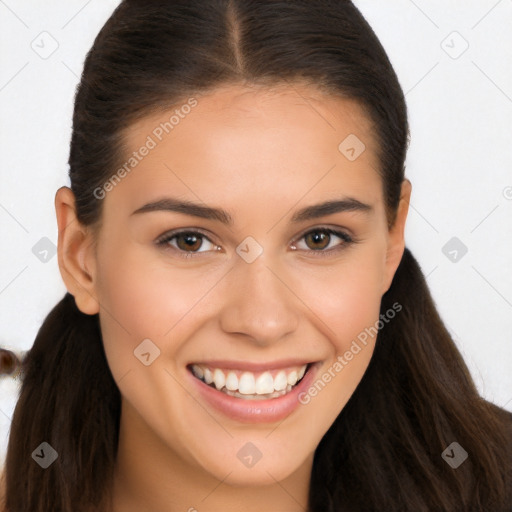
(218, 378)
(232, 381)
(292, 378)
(274, 394)
(264, 384)
(246, 386)
(280, 381)
(198, 371)
(208, 376)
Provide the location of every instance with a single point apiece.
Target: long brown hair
(383, 452)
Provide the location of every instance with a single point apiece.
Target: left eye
(321, 235)
(189, 242)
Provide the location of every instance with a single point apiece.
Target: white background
(459, 162)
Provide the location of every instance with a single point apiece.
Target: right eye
(187, 242)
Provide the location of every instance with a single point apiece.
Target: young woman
(244, 328)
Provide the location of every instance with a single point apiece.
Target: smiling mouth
(251, 385)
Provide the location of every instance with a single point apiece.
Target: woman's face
(254, 288)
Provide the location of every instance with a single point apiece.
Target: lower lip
(256, 411)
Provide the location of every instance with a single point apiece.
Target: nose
(259, 303)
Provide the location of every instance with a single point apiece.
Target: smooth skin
(260, 154)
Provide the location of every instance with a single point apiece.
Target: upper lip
(252, 366)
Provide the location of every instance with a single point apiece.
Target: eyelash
(348, 240)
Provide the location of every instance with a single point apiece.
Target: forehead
(246, 140)
(259, 107)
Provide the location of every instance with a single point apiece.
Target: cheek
(347, 299)
(140, 299)
(142, 294)
(349, 306)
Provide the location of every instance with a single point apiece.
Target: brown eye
(186, 241)
(317, 239)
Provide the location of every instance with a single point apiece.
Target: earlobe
(75, 253)
(396, 238)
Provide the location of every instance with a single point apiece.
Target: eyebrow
(347, 204)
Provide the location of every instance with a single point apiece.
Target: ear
(77, 260)
(396, 241)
